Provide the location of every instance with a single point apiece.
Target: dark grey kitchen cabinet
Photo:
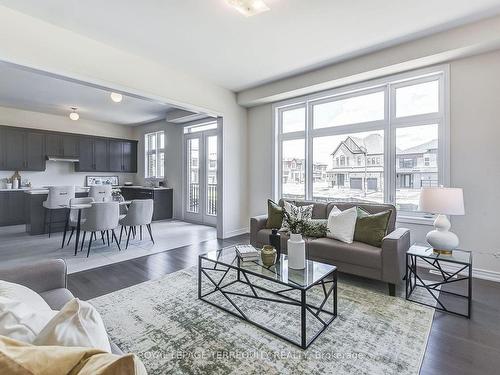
(53, 145)
(70, 146)
(162, 200)
(34, 152)
(2, 149)
(12, 208)
(122, 156)
(93, 155)
(14, 149)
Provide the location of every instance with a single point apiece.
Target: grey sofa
(386, 263)
(47, 278)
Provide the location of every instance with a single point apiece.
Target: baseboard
(476, 272)
(236, 232)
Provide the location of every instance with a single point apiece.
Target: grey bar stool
(139, 213)
(58, 196)
(101, 193)
(101, 217)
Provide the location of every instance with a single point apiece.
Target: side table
(461, 265)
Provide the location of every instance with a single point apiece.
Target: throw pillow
(274, 215)
(21, 293)
(317, 228)
(341, 224)
(18, 358)
(21, 321)
(295, 213)
(77, 324)
(371, 228)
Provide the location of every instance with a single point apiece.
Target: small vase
(268, 255)
(296, 252)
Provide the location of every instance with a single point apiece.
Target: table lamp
(442, 201)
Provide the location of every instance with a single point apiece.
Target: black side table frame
(414, 281)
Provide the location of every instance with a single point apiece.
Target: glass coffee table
(295, 305)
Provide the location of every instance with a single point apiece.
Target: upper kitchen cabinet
(93, 155)
(23, 150)
(122, 156)
(70, 146)
(61, 145)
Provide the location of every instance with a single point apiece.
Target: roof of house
(421, 149)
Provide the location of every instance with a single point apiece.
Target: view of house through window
(155, 154)
(381, 144)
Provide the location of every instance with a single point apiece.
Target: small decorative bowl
(268, 255)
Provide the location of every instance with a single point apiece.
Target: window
(155, 154)
(379, 143)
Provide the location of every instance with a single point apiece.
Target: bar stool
(100, 193)
(58, 196)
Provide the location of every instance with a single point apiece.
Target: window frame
(156, 151)
(389, 124)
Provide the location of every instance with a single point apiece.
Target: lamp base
(441, 239)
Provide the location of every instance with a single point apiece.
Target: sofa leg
(392, 290)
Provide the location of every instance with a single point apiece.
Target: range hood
(63, 158)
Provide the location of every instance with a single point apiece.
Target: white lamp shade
(446, 201)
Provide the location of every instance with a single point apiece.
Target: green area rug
(164, 323)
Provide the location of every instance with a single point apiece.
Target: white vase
(296, 252)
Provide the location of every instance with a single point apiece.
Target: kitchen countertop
(145, 187)
(20, 189)
(81, 189)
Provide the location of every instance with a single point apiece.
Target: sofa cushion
(341, 224)
(57, 298)
(371, 228)
(354, 253)
(23, 294)
(274, 215)
(319, 209)
(371, 208)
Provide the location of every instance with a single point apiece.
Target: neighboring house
(294, 171)
(358, 163)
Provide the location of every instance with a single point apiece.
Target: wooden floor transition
(456, 345)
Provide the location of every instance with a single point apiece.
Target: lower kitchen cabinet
(12, 208)
(162, 198)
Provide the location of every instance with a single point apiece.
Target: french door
(200, 188)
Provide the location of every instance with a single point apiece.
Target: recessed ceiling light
(249, 7)
(117, 98)
(74, 115)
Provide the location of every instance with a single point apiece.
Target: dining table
(80, 207)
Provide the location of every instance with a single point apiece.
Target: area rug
(173, 332)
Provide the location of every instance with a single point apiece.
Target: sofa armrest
(39, 276)
(256, 223)
(394, 248)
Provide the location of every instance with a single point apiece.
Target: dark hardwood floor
(456, 345)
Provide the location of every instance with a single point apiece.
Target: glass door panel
(211, 164)
(193, 175)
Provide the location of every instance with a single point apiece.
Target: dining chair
(73, 214)
(101, 193)
(58, 196)
(139, 213)
(101, 217)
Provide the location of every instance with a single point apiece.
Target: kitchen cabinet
(11, 208)
(70, 146)
(162, 200)
(23, 150)
(2, 149)
(93, 155)
(122, 156)
(53, 145)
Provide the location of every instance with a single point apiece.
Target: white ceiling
(208, 39)
(33, 91)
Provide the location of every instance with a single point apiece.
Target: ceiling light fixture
(117, 98)
(249, 7)
(74, 115)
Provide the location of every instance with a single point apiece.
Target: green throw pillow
(274, 215)
(371, 228)
(315, 228)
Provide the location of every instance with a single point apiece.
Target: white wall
(62, 173)
(173, 158)
(475, 157)
(31, 42)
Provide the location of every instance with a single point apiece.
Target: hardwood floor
(456, 345)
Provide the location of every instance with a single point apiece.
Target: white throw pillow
(341, 224)
(21, 321)
(77, 324)
(23, 294)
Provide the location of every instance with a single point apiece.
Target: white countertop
(81, 189)
(20, 189)
(145, 187)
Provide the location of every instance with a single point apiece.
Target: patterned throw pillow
(317, 228)
(295, 213)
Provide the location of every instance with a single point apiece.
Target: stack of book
(247, 253)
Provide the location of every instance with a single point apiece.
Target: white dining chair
(101, 217)
(73, 214)
(139, 213)
(58, 197)
(101, 193)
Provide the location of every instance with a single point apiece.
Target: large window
(379, 143)
(155, 155)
